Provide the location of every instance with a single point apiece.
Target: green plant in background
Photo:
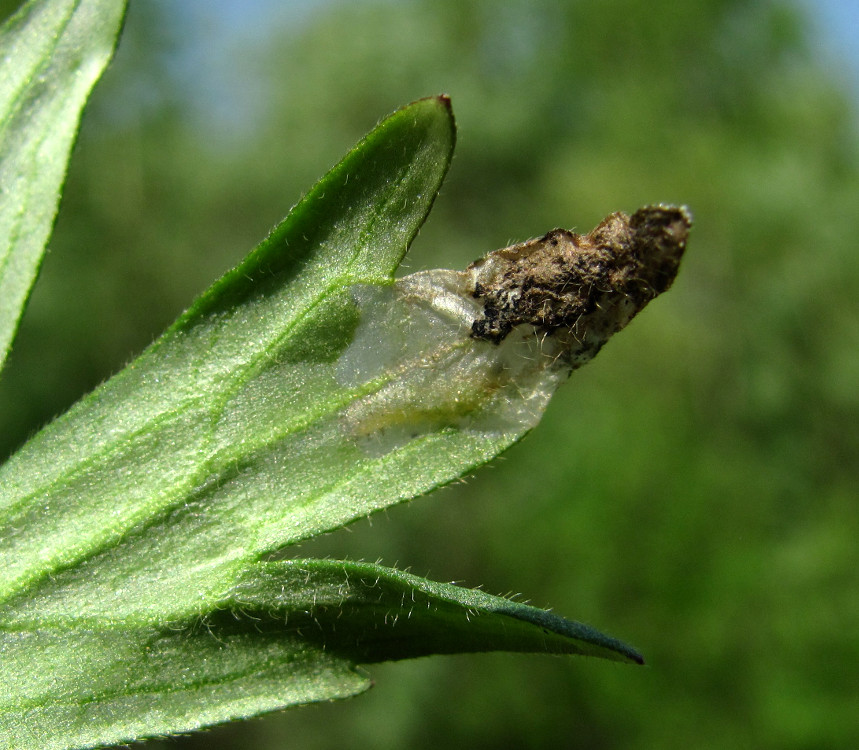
(305, 389)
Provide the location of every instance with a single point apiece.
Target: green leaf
(52, 52)
(370, 613)
(289, 632)
(231, 422)
(304, 390)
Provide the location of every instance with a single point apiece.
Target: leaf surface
(52, 52)
(222, 414)
(289, 632)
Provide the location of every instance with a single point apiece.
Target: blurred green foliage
(693, 491)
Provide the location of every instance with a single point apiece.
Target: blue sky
(838, 21)
(220, 29)
(839, 42)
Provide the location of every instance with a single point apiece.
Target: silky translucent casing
(415, 339)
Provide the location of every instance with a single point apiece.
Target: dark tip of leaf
(585, 634)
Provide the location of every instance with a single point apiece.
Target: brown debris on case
(580, 288)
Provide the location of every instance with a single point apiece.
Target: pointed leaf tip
(358, 221)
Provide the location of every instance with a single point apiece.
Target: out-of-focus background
(694, 491)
